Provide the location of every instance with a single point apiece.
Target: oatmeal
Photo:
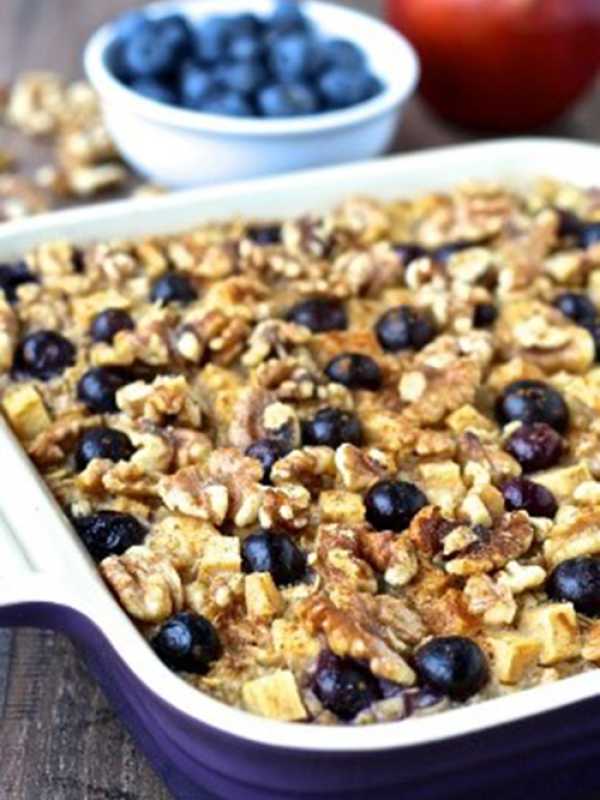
(338, 469)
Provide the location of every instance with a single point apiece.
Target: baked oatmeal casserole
(342, 468)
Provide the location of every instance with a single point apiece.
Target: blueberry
(109, 533)
(331, 427)
(589, 234)
(245, 48)
(195, 84)
(100, 442)
(130, 23)
(187, 642)
(535, 445)
(532, 401)
(108, 323)
(569, 224)
(341, 87)
(355, 371)
(287, 100)
(241, 76)
(319, 314)
(454, 665)
(343, 53)
(176, 30)
(211, 39)
(246, 24)
(444, 251)
(227, 103)
(390, 505)
(264, 234)
(43, 354)
(344, 686)
(577, 581)
(12, 276)
(274, 552)
(484, 315)
(154, 90)
(288, 17)
(148, 54)
(98, 386)
(403, 327)
(294, 56)
(173, 288)
(576, 306)
(78, 260)
(408, 251)
(267, 451)
(521, 494)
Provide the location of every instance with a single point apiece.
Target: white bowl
(179, 148)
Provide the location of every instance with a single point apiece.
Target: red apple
(507, 65)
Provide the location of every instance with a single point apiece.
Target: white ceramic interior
(41, 558)
(179, 148)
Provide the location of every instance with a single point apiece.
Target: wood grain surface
(59, 740)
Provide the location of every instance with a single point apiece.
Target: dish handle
(24, 590)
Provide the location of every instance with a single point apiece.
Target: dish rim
(398, 87)
(103, 609)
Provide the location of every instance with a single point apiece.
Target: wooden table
(59, 739)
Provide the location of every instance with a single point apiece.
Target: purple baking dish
(541, 743)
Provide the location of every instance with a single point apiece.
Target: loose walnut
(35, 101)
(147, 586)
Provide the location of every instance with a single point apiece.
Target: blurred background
(525, 66)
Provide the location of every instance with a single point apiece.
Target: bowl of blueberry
(205, 91)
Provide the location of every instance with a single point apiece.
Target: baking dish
(508, 746)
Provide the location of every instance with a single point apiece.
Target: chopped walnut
(359, 469)
(240, 475)
(508, 538)
(491, 599)
(285, 506)
(147, 585)
(309, 466)
(165, 397)
(348, 636)
(274, 337)
(190, 492)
